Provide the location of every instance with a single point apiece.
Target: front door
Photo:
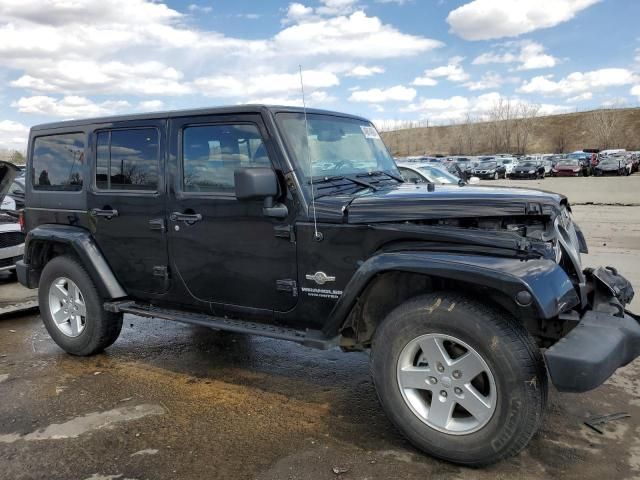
(226, 251)
(127, 204)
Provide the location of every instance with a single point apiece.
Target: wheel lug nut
(443, 393)
(457, 374)
(458, 391)
(440, 368)
(433, 380)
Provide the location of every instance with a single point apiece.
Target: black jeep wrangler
(297, 225)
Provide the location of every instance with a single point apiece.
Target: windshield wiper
(377, 173)
(336, 178)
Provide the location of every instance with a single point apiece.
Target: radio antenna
(316, 234)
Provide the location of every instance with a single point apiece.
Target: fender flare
(551, 289)
(84, 246)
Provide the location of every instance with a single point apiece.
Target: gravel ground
(171, 401)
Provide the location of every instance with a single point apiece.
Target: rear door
(127, 203)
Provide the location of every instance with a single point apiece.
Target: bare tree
(560, 140)
(603, 125)
(523, 123)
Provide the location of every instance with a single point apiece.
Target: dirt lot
(170, 401)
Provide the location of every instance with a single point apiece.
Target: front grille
(11, 239)
(8, 262)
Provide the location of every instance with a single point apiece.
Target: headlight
(532, 171)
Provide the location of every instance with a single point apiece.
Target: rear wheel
(461, 380)
(71, 309)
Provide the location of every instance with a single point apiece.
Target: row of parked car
(494, 167)
(11, 235)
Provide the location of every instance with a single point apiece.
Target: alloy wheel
(446, 384)
(67, 307)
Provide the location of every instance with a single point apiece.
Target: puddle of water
(91, 421)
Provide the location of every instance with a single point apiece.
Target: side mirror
(260, 183)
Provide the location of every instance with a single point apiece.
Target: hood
(568, 167)
(608, 166)
(8, 172)
(407, 202)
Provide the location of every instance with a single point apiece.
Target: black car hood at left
(8, 173)
(407, 202)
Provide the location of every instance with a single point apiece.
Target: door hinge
(161, 271)
(285, 231)
(287, 285)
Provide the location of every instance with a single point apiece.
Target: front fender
(82, 244)
(551, 290)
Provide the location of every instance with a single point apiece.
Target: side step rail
(309, 338)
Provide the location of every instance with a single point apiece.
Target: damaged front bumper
(606, 338)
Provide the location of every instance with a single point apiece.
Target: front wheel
(463, 381)
(72, 308)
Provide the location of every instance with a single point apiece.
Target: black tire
(101, 328)
(511, 354)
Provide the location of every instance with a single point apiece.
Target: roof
(232, 109)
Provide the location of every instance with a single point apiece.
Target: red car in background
(567, 167)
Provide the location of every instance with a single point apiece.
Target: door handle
(107, 213)
(190, 218)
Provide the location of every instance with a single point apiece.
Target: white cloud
(530, 55)
(353, 36)
(150, 105)
(456, 108)
(398, 93)
(88, 76)
(635, 90)
(580, 98)
(225, 86)
(424, 82)
(488, 81)
(69, 107)
(336, 7)
(487, 19)
(579, 82)
(198, 8)
(453, 72)
(13, 135)
(364, 71)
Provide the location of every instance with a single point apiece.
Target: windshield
(528, 164)
(567, 162)
(610, 161)
(338, 146)
(487, 164)
(437, 175)
(506, 162)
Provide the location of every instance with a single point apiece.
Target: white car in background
(428, 173)
(509, 163)
(11, 235)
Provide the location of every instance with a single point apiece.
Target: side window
(127, 159)
(212, 153)
(58, 161)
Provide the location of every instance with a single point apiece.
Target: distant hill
(546, 134)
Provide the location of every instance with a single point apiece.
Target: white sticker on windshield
(369, 132)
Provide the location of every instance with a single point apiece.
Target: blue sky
(389, 60)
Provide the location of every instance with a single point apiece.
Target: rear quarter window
(58, 162)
